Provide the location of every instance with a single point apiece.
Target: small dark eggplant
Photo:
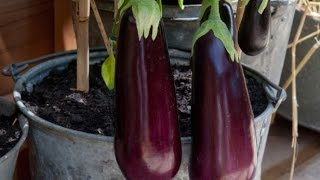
(147, 140)
(223, 137)
(254, 31)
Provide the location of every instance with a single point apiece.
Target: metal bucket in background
(180, 27)
(8, 161)
(61, 153)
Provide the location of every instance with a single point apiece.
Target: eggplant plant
(223, 136)
(254, 31)
(147, 140)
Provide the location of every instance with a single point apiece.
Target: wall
(32, 28)
(26, 31)
(29, 29)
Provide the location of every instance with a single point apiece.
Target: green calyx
(262, 6)
(147, 13)
(217, 26)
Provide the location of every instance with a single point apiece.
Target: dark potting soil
(10, 133)
(56, 100)
(182, 76)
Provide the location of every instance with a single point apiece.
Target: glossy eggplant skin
(223, 140)
(254, 31)
(147, 140)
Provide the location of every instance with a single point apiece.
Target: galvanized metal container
(180, 27)
(8, 161)
(61, 153)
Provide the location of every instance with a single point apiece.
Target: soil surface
(10, 133)
(57, 101)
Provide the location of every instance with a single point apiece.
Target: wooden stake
(306, 37)
(239, 15)
(103, 32)
(83, 46)
(294, 94)
(75, 15)
(302, 63)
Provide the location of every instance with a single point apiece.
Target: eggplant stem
(214, 13)
(116, 9)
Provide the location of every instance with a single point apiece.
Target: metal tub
(60, 153)
(8, 161)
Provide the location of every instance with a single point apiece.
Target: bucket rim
(24, 126)
(57, 129)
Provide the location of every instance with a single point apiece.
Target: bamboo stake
(75, 15)
(306, 37)
(294, 95)
(103, 32)
(302, 63)
(83, 46)
(239, 15)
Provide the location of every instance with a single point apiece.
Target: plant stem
(239, 15)
(306, 37)
(103, 32)
(115, 8)
(302, 63)
(83, 46)
(214, 13)
(294, 94)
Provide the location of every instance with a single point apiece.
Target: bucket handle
(274, 93)
(14, 70)
(276, 98)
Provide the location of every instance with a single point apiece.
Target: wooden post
(83, 46)
(239, 15)
(64, 36)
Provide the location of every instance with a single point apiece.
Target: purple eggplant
(254, 31)
(147, 140)
(223, 137)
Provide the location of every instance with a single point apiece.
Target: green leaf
(205, 5)
(217, 26)
(147, 13)
(221, 31)
(160, 5)
(180, 2)
(263, 6)
(108, 71)
(120, 3)
(202, 30)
